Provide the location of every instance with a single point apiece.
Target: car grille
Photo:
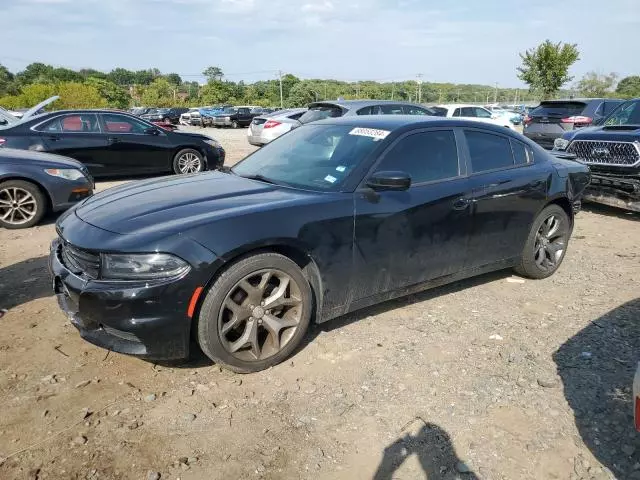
(597, 152)
(80, 261)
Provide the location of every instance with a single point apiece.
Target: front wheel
(546, 245)
(235, 124)
(188, 160)
(255, 314)
(22, 204)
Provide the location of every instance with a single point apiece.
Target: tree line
(544, 68)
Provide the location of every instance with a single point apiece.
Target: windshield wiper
(260, 178)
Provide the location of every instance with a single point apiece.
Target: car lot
(517, 379)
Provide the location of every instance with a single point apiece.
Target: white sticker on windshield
(341, 168)
(370, 132)
(330, 179)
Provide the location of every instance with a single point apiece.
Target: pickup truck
(236, 117)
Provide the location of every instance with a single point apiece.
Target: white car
(185, 118)
(473, 112)
(268, 127)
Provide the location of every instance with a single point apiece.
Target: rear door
(508, 189)
(408, 237)
(551, 120)
(77, 135)
(132, 146)
(244, 116)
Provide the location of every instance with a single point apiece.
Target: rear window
(559, 109)
(320, 112)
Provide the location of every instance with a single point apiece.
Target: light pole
(281, 96)
(495, 96)
(419, 76)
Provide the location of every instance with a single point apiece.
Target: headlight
(560, 144)
(66, 173)
(212, 142)
(148, 266)
(227, 118)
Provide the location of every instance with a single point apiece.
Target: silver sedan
(266, 128)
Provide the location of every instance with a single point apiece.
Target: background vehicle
(267, 127)
(235, 117)
(612, 151)
(208, 114)
(114, 143)
(185, 118)
(478, 114)
(34, 183)
(167, 115)
(138, 111)
(6, 118)
(508, 114)
(334, 216)
(345, 108)
(552, 118)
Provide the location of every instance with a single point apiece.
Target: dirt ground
(493, 378)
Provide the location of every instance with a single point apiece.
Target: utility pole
(495, 95)
(393, 89)
(325, 91)
(358, 89)
(419, 76)
(281, 97)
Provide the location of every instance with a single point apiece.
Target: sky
(459, 41)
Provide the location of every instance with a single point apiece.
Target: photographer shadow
(436, 454)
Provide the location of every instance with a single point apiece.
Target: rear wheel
(255, 314)
(546, 245)
(22, 204)
(235, 124)
(188, 160)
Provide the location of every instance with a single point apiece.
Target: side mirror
(389, 181)
(152, 131)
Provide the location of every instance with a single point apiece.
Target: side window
(243, 111)
(114, 123)
(488, 151)
(521, 153)
(365, 111)
(482, 113)
(411, 110)
(390, 109)
(83, 123)
(468, 112)
(296, 116)
(457, 112)
(425, 156)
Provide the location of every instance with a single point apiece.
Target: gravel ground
(494, 377)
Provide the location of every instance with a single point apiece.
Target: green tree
(92, 73)
(159, 94)
(546, 68)
(300, 95)
(121, 76)
(35, 73)
(115, 95)
(173, 78)
(213, 73)
(7, 85)
(594, 85)
(65, 75)
(145, 77)
(629, 87)
(78, 95)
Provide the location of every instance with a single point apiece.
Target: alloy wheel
(17, 206)
(260, 315)
(189, 162)
(550, 243)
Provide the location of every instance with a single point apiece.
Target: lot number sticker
(370, 132)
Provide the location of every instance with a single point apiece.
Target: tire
(294, 321)
(235, 124)
(536, 263)
(33, 208)
(188, 160)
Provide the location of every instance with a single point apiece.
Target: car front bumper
(148, 320)
(614, 190)
(222, 122)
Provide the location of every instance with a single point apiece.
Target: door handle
(497, 184)
(54, 138)
(113, 139)
(461, 203)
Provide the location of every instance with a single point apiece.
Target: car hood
(176, 204)
(46, 159)
(192, 135)
(625, 133)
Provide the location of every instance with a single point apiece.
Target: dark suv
(552, 118)
(612, 151)
(168, 115)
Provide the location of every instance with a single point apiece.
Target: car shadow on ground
(436, 454)
(600, 209)
(597, 367)
(24, 281)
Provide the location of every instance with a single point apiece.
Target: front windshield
(316, 157)
(626, 114)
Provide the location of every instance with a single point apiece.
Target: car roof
(458, 105)
(361, 103)
(395, 122)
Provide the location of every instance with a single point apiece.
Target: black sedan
(332, 217)
(113, 143)
(34, 183)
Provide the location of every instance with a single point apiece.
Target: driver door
(133, 147)
(404, 238)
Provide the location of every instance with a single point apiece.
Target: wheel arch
(199, 149)
(565, 204)
(41, 187)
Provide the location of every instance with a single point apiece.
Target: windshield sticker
(330, 179)
(370, 132)
(341, 168)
